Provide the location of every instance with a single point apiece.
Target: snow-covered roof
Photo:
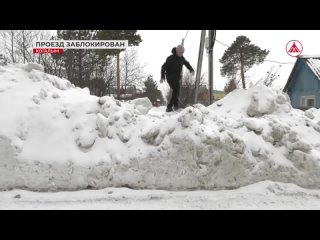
(314, 65)
(310, 56)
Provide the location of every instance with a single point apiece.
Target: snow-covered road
(262, 195)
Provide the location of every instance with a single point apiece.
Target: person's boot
(169, 109)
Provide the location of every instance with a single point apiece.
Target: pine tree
(133, 38)
(151, 90)
(77, 62)
(240, 57)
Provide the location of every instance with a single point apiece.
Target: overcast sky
(157, 44)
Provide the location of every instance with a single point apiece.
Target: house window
(308, 101)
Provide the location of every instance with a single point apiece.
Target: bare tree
(23, 42)
(17, 44)
(131, 71)
(110, 76)
(3, 60)
(9, 48)
(52, 64)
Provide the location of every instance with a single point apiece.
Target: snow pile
(55, 136)
(33, 66)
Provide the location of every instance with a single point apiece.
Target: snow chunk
(86, 140)
(59, 83)
(190, 114)
(102, 124)
(142, 104)
(43, 93)
(109, 106)
(55, 95)
(30, 66)
(254, 124)
(262, 103)
(309, 113)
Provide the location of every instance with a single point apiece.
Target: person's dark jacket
(172, 68)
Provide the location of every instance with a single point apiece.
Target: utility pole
(199, 66)
(210, 68)
(182, 43)
(118, 75)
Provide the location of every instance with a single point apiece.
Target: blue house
(303, 85)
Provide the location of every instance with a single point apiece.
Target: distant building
(303, 85)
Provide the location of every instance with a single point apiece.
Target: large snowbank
(55, 136)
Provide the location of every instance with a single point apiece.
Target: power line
(264, 60)
(279, 62)
(186, 35)
(222, 43)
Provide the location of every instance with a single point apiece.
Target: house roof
(312, 61)
(314, 65)
(309, 56)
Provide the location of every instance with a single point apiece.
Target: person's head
(180, 50)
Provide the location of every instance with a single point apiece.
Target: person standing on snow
(172, 70)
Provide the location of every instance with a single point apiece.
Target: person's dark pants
(175, 85)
